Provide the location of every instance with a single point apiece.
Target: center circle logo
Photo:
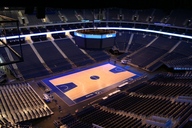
(94, 77)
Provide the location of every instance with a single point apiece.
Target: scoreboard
(95, 38)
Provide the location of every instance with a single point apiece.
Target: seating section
(180, 57)
(172, 56)
(85, 14)
(54, 17)
(167, 85)
(155, 52)
(122, 40)
(11, 14)
(70, 121)
(69, 14)
(128, 14)
(33, 20)
(148, 106)
(39, 38)
(10, 32)
(107, 119)
(184, 48)
(73, 52)
(139, 41)
(42, 29)
(19, 102)
(178, 17)
(180, 64)
(54, 28)
(25, 31)
(3, 76)
(98, 55)
(96, 117)
(155, 66)
(58, 35)
(31, 67)
(144, 15)
(34, 29)
(173, 88)
(146, 56)
(158, 15)
(3, 54)
(164, 43)
(56, 62)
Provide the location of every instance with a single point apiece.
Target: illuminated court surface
(75, 87)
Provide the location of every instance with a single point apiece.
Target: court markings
(65, 88)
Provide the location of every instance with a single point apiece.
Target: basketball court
(82, 84)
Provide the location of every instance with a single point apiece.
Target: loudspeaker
(40, 12)
(29, 10)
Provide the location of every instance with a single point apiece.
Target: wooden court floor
(85, 85)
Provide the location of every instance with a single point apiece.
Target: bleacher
(179, 17)
(39, 38)
(146, 56)
(172, 86)
(58, 35)
(144, 14)
(73, 52)
(70, 121)
(34, 29)
(3, 76)
(3, 54)
(180, 64)
(122, 40)
(173, 55)
(19, 102)
(128, 14)
(179, 58)
(130, 110)
(54, 17)
(155, 52)
(164, 43)
(33, 20)
(147, 106)
(69, 14)
(184, 48)
(56, 62)
(98, 55)
(139, 41)
(170, 89)
(96, 117)
(158, 15)
(85, 14)
(25, 31)
(31, 67)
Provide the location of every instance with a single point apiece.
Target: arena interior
(140, 76)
